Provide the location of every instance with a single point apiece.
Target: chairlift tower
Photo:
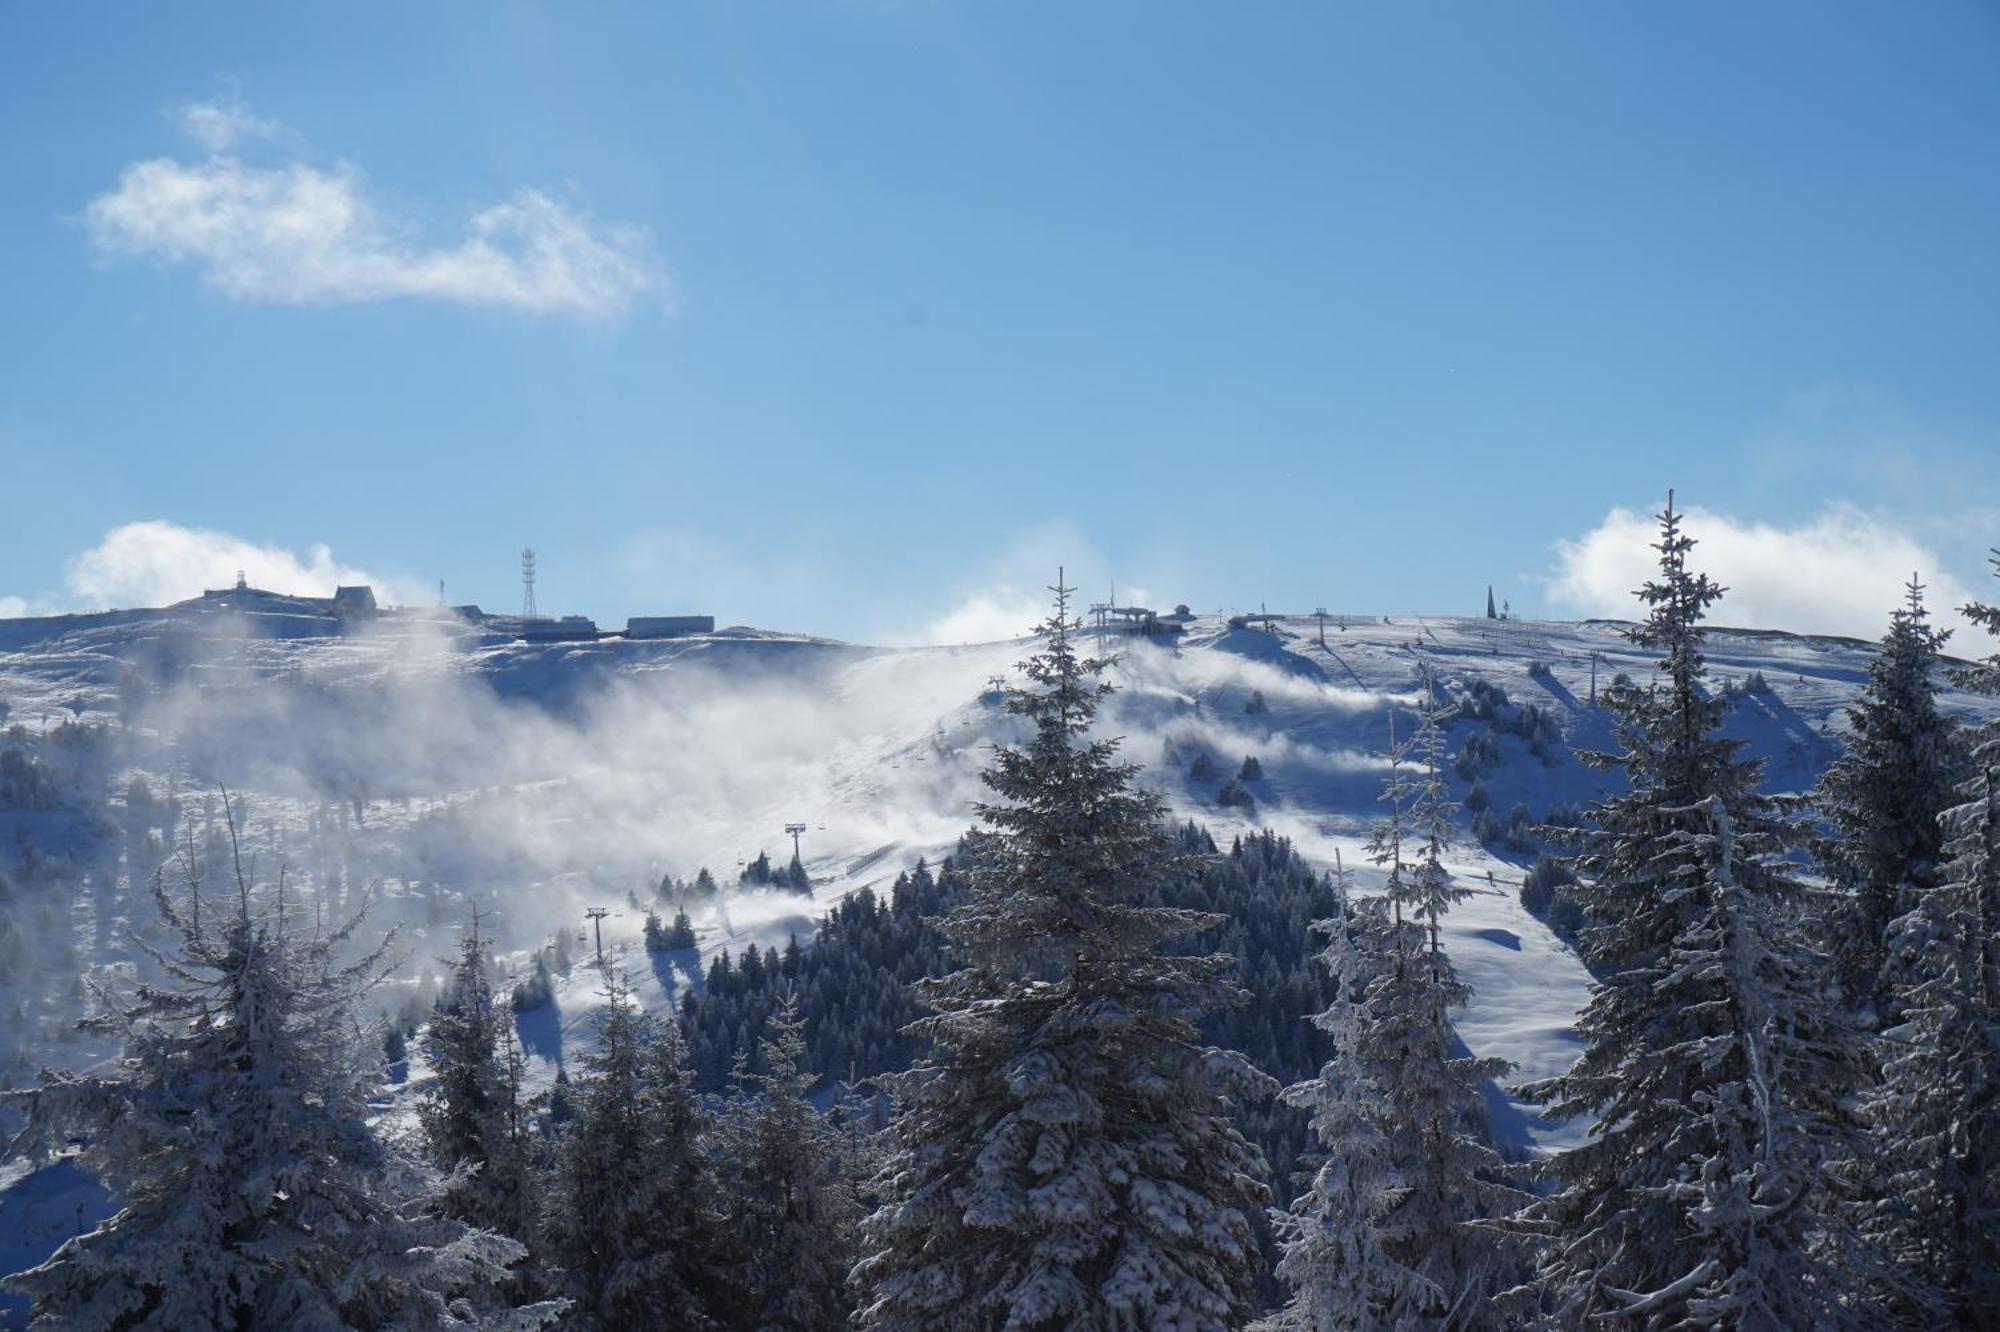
(597, 915)
(528, 583)
(1319, 613)
(795, 829)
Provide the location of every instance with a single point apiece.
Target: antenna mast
(528, 583)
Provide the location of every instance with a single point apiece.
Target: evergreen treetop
(1884, 795)
(1713, 1067)
(234, 1130)
(1937, 1108)
(1064, 1159)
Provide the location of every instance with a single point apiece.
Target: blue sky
(856, 316)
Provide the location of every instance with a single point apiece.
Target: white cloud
(155, 563)
(220, 125)
(297, 234)
(1009, 594)
(990, 616)
(1841, 572)
(12, 608)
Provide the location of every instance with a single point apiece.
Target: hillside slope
(535, 780)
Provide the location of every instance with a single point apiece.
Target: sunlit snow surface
(536, 780)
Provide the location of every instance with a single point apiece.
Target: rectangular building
(668, 626)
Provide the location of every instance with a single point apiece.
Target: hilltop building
(668, 626)
(569, 628)
(356, 600)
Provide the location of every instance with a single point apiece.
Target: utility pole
(597, 915)
(795, 829)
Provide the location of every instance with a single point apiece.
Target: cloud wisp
(156, 563)
(1011, 594)
(221, 124)
(1840, 572)
(298, 234)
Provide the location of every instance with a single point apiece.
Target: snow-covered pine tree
(470, 1111)
(1937, 1110)
(1711, 1060)
(1884, 795)
(1064, 1157)
(788, 1192)
(1449, 1178)
(1333, 1252)
(629, 1221)
(234, 1132)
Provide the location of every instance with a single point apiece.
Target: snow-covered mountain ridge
(535, 780)
(446, 772)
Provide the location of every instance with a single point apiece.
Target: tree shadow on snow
(540, 1031)
(1558, 690)
(1508, 1127)
(677, 969)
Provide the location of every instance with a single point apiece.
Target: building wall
(668, 626)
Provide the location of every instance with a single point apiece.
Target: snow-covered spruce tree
(629, 1223)
(1334, 1256)
(1884, 795)
(470, 1112)
(1711, 1060)
(1450, 1179)
(1937, 1109)
(788, 1192)
(1064, 1157)
(233, 1130)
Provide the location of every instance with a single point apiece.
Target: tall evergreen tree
(1937, 1110)
(630, 1223)
(1334, 1245)
(471, 1112)
(1883, 797)
(1064, 1158)
(1710, 1058)
(788, 1191)
(234, 1132)
(1450, 1179)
